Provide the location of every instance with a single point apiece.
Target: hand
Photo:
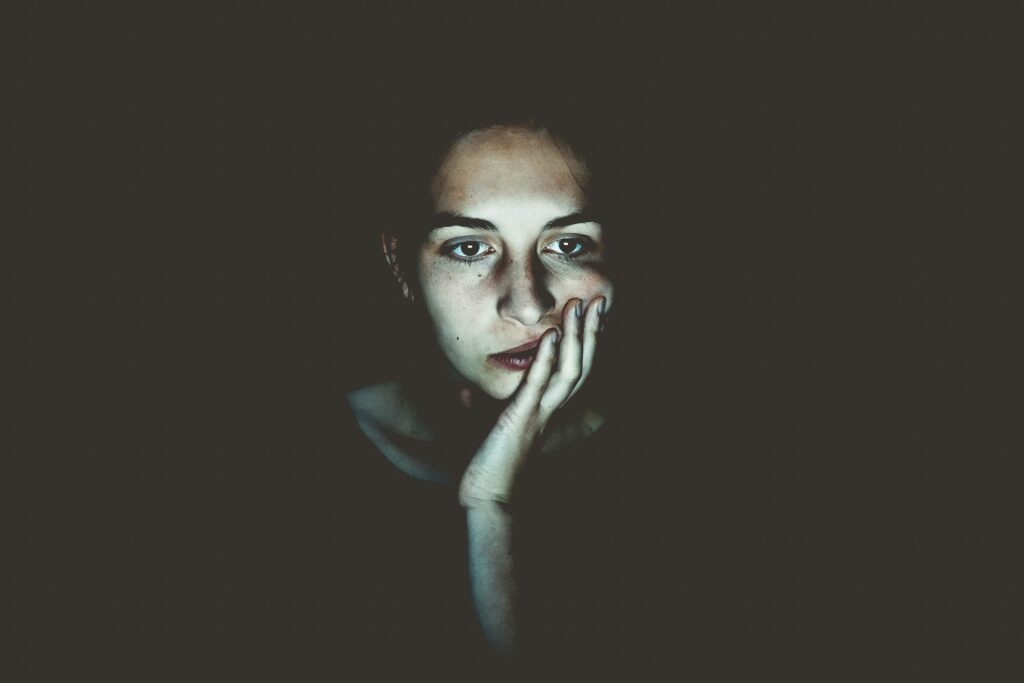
(558, 371)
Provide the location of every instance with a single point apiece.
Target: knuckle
(566, 384)
(507, 420)
(516, 415)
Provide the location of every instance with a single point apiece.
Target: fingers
(561, 365)
(591, 327)
(539, 374)
(570, 357)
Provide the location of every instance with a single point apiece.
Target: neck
(459, 415)
(454, 406)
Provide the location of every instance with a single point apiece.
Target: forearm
(487, 484)
(491, 573)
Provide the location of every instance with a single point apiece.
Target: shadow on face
(511, 243)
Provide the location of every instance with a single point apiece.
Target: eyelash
(586, 247)
(449, 252)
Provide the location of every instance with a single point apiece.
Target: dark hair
(411, 154)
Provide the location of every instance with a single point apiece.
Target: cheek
(454, 304)
(586, 287)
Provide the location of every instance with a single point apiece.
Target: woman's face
(511, 245)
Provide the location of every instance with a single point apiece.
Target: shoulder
(387, 406)
(371, 402)
(391, 421)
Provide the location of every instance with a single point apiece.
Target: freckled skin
(517, 285)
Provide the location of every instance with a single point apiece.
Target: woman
(506, 267)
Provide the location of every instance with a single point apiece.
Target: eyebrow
(446, 219)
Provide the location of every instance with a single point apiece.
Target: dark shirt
(339, 564)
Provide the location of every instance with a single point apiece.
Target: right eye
(468, 250)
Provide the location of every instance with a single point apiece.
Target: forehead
(507, 164)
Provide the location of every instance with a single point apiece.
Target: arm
(557, 372)
(491, 573)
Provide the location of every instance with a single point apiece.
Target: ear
(390, 245)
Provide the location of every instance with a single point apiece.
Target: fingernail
(579, 308)
(555, 337)
(600, 306)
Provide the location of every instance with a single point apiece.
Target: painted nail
(579, 308)
(600, 306)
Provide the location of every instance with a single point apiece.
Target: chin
(498, 393)
(501, 388)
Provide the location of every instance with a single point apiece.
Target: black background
(821, 321)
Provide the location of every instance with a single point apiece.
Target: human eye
(467, 251)
(570, 247)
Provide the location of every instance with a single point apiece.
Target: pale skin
(514, 258)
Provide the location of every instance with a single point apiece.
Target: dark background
(822, 320)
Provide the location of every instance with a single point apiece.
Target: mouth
(516, 359)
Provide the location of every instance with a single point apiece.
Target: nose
(524, 297)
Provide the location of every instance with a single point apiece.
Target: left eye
(567, 246)
(467, 249)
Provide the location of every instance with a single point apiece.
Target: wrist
(484, 506)
(475, 493)
(491, 475)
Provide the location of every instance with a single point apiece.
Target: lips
(528, 346)
(517, 358)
